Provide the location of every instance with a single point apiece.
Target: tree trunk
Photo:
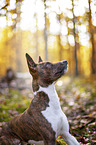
(59, 40)
(69, 50)
(45, 32)
(60, 47)
(93, 60)
(74, 33)
(18, 38)
(36, 40)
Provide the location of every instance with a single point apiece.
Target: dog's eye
(48, 65)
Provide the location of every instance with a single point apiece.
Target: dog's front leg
(69, 139)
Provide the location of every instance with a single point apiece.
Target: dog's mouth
(62, 70)
(66, 69)
(59, 72)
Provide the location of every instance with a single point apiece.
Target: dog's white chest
(53, 113)
(54, 116)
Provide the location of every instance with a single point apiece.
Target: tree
(91, 31)
(4, 7)
(74, 33)
(59, 38)
(45, 32)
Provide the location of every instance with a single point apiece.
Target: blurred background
(54, 29)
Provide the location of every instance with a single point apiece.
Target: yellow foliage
(14, 45)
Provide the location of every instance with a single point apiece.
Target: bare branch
(4, 7)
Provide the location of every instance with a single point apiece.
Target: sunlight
(51, 41)
(32, 10)
(54, 28)
(14, 16)
(79, 10)
(39, 10)
(3, 22)
(69, 14)
(83, 35)
(80, 7)
(84, 39)
(10, 22)
(71, 40)
(64, 4)
(93, 5)
(32, 17)
(59, 83)
(63, 40)
(12, 4)
(70, 25)
(64, 30)
(30, 7)
(1, 35)
(28, 21)
(54, 7)
(1, 3)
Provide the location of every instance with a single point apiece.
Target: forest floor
(77, 98)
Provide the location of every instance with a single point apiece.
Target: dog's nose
(64, 62)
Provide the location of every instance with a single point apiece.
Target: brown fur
(32, 125)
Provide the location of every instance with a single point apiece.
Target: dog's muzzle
(65, 65)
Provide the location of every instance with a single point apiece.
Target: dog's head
(46, 72)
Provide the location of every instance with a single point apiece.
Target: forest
(56, 30)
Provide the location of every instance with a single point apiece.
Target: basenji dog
(44, 120)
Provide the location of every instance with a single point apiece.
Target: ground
(77, 98)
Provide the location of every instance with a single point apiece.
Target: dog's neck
(35, 85)
(51, 92)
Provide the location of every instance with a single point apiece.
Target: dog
(44, 120)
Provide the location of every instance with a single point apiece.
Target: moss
(60, 141)
(13, 101)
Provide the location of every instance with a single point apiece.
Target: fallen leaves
(78, 101)
(77, 98)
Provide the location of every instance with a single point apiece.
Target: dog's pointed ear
(40, 59)
(31, 64)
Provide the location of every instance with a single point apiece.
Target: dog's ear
(40, 59)
(31, 64)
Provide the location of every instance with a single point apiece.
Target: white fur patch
(53, 113)
(66, 69)
(56, 117)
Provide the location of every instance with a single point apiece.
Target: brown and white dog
(44, 120)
